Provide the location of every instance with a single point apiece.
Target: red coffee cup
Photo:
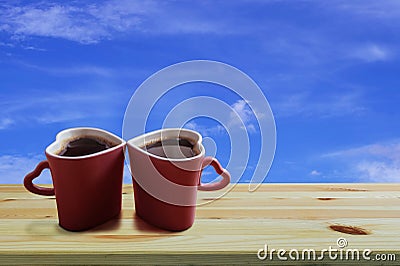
(165, 187)
(88, 189)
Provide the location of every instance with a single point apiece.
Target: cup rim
(157, 132)
(60, 136)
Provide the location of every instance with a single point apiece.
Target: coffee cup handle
(32, 175)
(226, 177)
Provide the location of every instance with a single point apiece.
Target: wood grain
(230, 229)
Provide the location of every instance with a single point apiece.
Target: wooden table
(231, 229)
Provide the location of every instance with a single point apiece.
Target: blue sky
(329, 70)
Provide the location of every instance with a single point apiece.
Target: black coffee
(174, 148)
(84, 146)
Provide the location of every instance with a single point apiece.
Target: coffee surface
(84, 146)
(174, 148)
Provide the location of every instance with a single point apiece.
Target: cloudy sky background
(329, 70)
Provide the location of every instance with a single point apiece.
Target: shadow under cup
(88, 189)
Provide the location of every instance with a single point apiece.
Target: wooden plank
(281, 215)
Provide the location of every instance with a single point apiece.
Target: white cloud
(242, 109)
(84, 24)
(379, 171)
(240, 115)
(80, 69)
(368, 8)
(204, 130)
(379, 162)
(91, 23)
(390, 150)
(315, 173)
(61, 116)
(5, 123)
(13, 168)
(77, 70)
(243, 114)
(6, 44)
(305, 104)
(371, 53)
(57, 107)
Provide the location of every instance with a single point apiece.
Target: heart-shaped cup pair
(88, 188)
